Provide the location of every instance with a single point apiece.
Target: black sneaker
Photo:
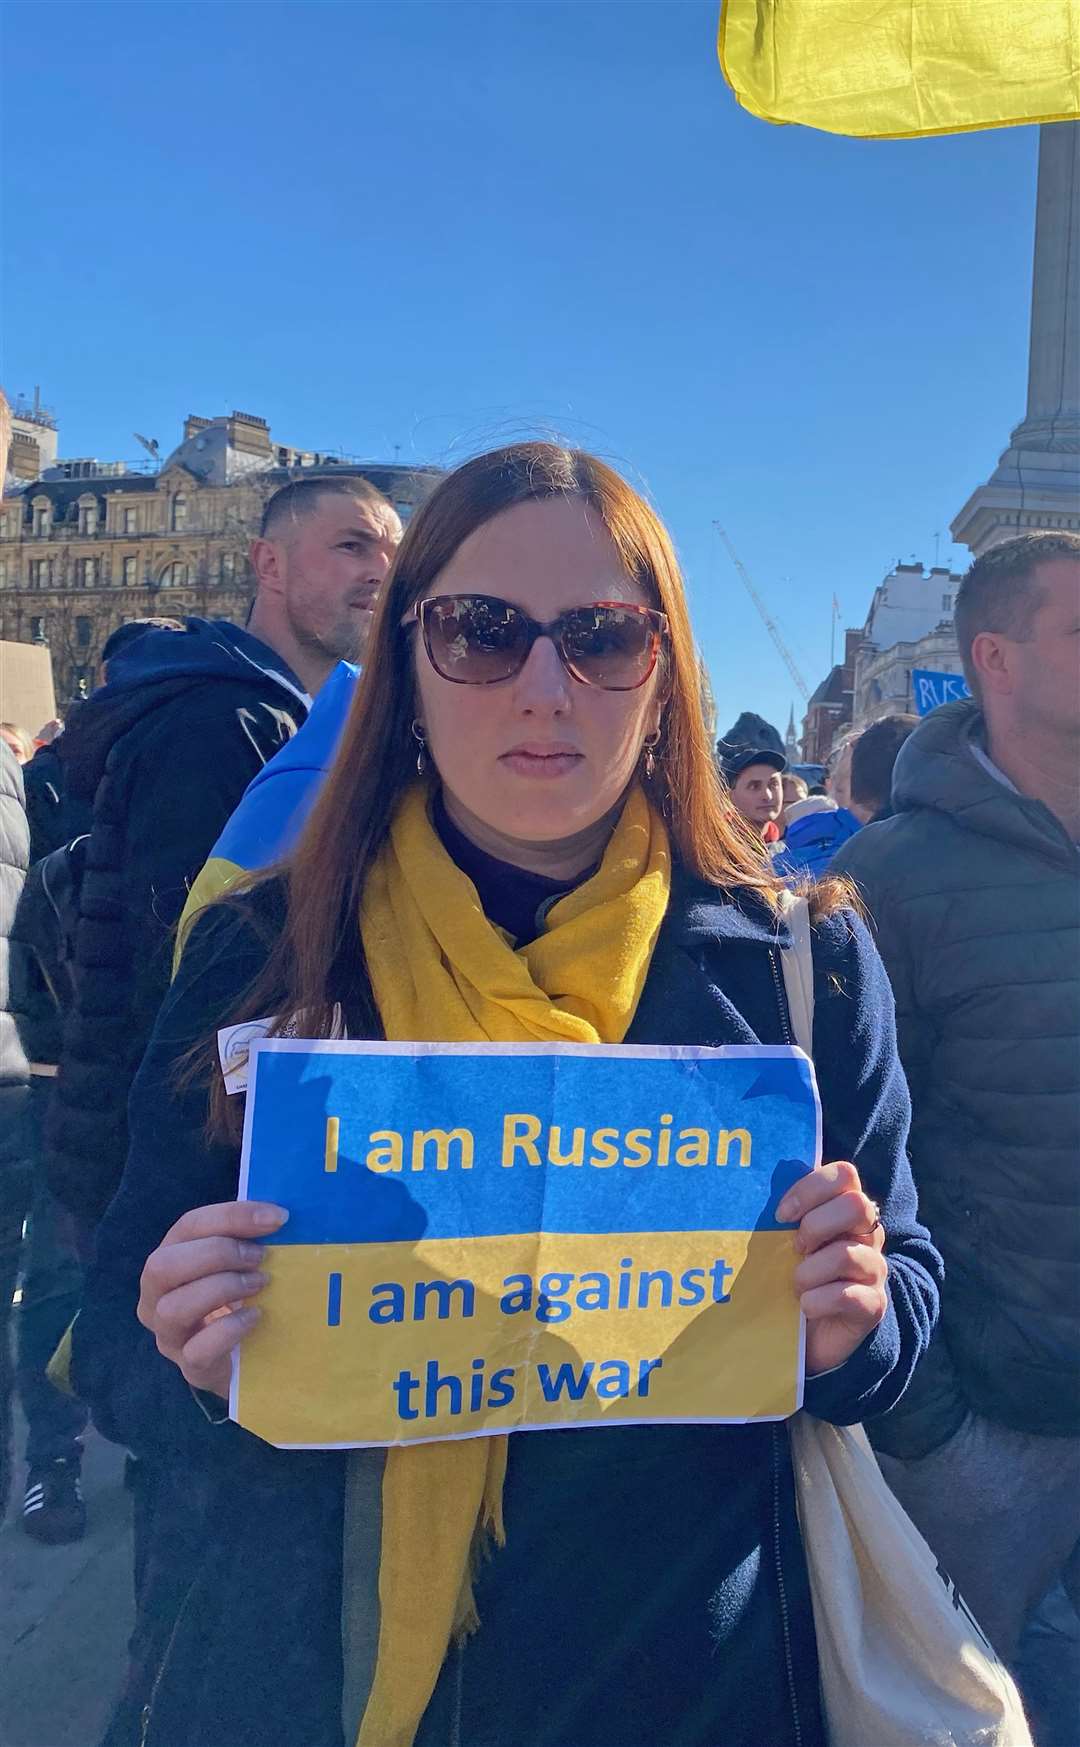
(53, 1508)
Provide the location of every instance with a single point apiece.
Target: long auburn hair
(316, 962)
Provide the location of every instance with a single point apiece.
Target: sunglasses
(477, 639)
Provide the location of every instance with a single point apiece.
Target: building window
(88, 518)
(88, 572)
(946, 603)
(131, 572)
(42, 518)
(3, 573)
(131, 521)
(83, 631)
(41, 572)
(174, 575)
(37, 629)
(179, 513)
(228, 567)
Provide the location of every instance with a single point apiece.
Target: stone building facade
(883, 682)
(89, 544)
(909, 626)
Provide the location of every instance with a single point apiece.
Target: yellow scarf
(441, 972)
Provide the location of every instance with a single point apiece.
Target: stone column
(1053, 404)
(1036, 484)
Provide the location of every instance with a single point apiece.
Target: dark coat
(56, 816)
(975, 894)
(255, 1655)
(56, 821)
(164, 752)
(14, 1070)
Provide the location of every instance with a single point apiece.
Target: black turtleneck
(512, 897)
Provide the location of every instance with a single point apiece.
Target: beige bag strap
(901, 1663)
(797, 964)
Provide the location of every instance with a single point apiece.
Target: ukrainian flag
(898, 69)
(276, 804)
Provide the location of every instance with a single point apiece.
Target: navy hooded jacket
(162, 753)
(604, 1525)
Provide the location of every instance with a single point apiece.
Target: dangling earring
(421, 753)
(652, 741)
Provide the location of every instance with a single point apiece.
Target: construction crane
(770, 623)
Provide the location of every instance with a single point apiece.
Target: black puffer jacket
(14, 1070)
(164, 752)
(975, 893)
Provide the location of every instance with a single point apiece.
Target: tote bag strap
(797, 964)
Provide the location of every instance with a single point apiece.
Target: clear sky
(434, 224)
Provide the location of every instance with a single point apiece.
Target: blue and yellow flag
(486, 1238)
(898, 69)
(275, 805)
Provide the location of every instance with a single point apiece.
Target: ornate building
(909, 626)
(86, 545)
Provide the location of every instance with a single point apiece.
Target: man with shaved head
(323, 551)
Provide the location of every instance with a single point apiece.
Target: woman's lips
(543, 764)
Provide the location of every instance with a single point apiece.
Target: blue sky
(433, 224)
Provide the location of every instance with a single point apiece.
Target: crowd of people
(468, 742)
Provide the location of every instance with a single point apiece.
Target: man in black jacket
(164, 751)
(974, 888)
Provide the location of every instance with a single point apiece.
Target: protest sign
(487, 1238)
(931, 689)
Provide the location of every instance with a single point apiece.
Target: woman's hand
(197, 1285)
(841, 1283)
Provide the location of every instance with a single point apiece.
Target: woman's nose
(543, 685)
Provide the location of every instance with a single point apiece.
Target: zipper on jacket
(785, 1618)
(781, 997)
(147, 1714)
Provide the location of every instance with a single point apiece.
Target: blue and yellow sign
(490, 1238)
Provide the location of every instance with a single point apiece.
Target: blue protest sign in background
(931, 689)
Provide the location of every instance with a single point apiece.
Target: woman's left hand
(841, 1282)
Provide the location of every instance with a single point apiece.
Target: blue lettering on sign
(932, 689)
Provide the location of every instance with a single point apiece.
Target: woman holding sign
(523, 839)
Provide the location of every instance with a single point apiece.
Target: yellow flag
(897, 69)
